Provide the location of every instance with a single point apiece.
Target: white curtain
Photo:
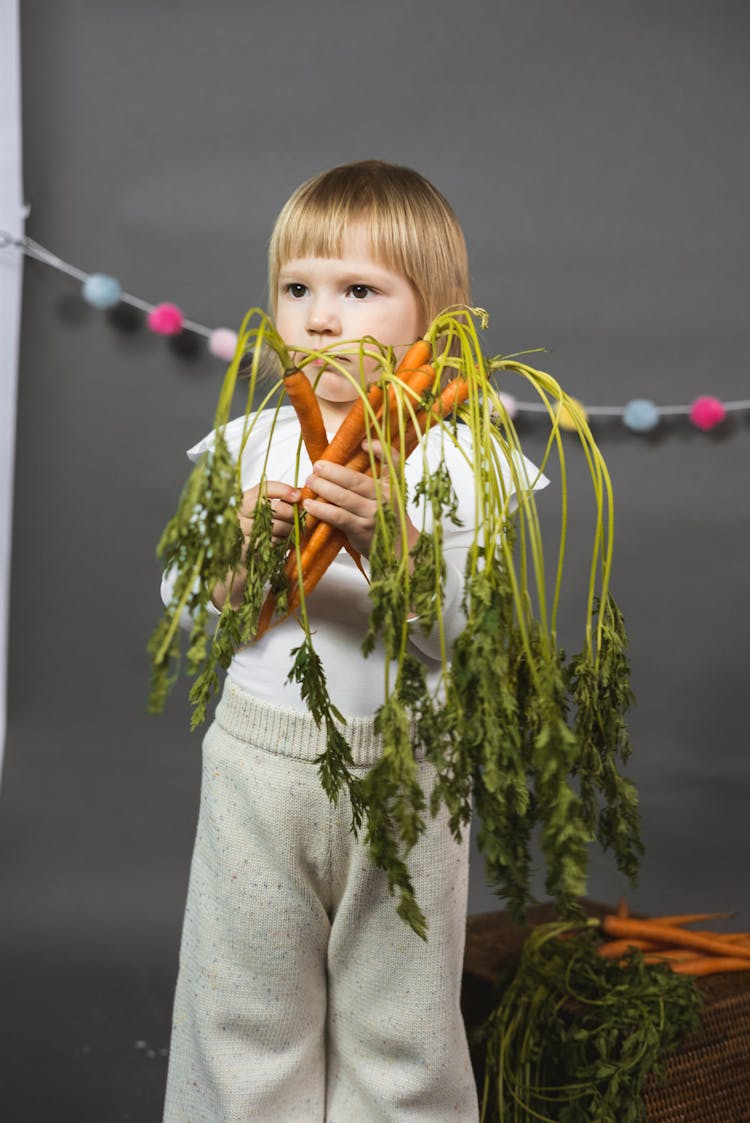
(11, 261)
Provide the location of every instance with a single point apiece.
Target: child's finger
(279, 491)
(283, 519)
(337, 504)
(334, 481)
(273, 490)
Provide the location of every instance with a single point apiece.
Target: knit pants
(302, 997)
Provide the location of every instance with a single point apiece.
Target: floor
(83, 1042)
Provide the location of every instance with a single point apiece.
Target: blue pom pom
(102, 291)
(641, 415)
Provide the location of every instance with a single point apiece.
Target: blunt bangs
(412, 229)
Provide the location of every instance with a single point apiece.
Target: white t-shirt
(339, 607)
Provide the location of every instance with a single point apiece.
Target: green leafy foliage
(575, 1036)
(335, 763)
(602, 696)
(201, 543)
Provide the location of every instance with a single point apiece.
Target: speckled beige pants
(302, 997)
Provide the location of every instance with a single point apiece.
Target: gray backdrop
(597, 156)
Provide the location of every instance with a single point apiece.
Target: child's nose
(322, 318)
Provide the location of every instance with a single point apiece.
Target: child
(302, 997)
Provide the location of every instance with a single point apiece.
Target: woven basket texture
(706, 1081)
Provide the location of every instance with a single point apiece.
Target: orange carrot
(614, 949)
(323, 545)
(300, 393)
(265, 616)
(669, 935)
(415, 357)
(710, 965)
(456, 392)
(689, 918)
(322, 542)
(320, 550)
(353, 429)
(451, 398)
(669, 954)
(728, 937)
(418, 381)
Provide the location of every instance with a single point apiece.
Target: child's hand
(282, 497)
(351, 502)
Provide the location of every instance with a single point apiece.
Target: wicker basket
(706, 1081)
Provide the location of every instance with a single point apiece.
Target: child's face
(323, 301)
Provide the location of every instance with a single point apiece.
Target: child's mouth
(329, 359)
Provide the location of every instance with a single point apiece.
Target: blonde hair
(412, 228)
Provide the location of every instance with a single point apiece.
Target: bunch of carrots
(672, 940)
(320, 542)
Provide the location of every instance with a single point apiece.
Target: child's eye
(295, 289)
(359, 292)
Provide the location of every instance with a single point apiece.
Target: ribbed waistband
(288, 732)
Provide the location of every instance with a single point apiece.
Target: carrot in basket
(690, 918)
(670, 955)
(669, 935)
(734, 937)
(710, 965)
(615, 949)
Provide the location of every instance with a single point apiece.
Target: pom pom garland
(707, 412)
(641, 415)
(101, 291)
(166, 319)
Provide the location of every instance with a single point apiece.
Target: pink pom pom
(222, 342)
(166, 319)
(706, 412)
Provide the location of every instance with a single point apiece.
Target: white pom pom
(222, 343)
